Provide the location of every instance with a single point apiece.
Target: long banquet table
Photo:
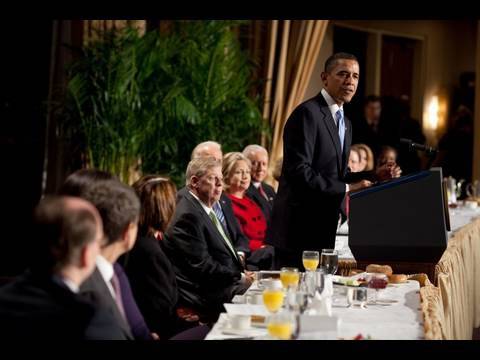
(451, 301)
(448, 308)
(401, 319)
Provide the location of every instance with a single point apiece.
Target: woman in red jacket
(236, 176)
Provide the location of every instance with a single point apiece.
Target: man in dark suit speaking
(314, 180)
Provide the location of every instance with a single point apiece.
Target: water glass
(329, 261)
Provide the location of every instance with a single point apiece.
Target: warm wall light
(432, 113)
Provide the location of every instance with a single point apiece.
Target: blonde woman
(367, 161)
(236, 172)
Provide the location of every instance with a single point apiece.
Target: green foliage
(154, 97)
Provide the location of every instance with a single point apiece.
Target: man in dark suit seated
(208, 269)
(119, 208)
(43, 303)
(223, 207)
(259, 191)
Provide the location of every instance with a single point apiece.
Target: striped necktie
(222, 232)
(219, 213)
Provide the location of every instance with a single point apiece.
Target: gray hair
(253, 148)
(199, 166)
(198, 149)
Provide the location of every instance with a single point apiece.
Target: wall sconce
(433, 113)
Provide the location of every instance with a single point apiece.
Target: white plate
(243, 332)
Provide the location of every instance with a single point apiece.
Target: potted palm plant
(146, 101)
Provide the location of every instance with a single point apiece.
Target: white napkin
(318, 327)
(322, 303)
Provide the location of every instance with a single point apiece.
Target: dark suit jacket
(154, 285)
(266, 205)
(205, 267)
(240, 241)
(139, 328)
(95, 286)
(312, 187)
(37, 307)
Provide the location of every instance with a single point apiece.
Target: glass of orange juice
(273, 299)
(310, 260)
(281, 325)
(289, 276)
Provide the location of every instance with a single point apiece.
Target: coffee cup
(240, 322)
(254, 298)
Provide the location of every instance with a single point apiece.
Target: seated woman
(354, 160)
(236, 176)
(150, 272)
(366, 157)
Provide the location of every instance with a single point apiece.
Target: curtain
(90, 27)
(294, 46)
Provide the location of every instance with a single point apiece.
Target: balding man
(206, 149)
(44, 302)
(262, 193)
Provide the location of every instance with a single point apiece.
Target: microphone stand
(431, 154)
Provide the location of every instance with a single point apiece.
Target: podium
(402, 220)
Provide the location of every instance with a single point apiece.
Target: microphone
(414, 146)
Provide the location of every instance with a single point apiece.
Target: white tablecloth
(400, 320)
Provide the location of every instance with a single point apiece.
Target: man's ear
(194, 181)
(129, 235)
(323, 76)
(87, 256)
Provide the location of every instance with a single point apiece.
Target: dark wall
(353, 42)
(24, 67)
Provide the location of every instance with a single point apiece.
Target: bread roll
(397, 278)
(355, 272)
(421, 278)
(382, 269)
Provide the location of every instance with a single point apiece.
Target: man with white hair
(208, 148)
(259, 191)
(223, 207)
(208, 269)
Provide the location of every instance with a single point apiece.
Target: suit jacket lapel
(99, 285)
(211, 226)
(332, 129)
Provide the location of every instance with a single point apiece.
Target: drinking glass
(329, 261)
(313, 281)
(310, 260)
(273, 298)
(377, 282)
(289, 277)
(281, 325)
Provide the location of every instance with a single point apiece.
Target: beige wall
(326, 50)
(449, 49)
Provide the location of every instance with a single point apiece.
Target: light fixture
(432, 113)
